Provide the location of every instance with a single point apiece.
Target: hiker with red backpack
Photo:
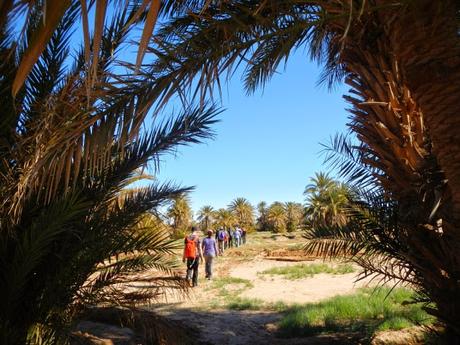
(192, 255)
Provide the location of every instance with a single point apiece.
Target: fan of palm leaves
(379, 234)
(71, 235)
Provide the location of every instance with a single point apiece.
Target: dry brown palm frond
(51, 14)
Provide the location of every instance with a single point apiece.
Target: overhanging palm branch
(373, 237)
(47, 16)
(70, 235)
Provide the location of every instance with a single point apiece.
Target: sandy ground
(217, 325)
(205, 313)
(275, 288)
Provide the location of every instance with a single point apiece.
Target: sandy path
(275, 288)
(220, 326)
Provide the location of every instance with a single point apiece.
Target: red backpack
(190, 247)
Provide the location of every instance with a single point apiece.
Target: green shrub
(366, 311)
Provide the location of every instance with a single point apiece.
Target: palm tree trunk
(429, 51)
(404, 67)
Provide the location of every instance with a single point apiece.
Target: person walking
(192, 255)
(221, 240)
(243, 236)
(209, 249)
(237, 236)
(230, 238)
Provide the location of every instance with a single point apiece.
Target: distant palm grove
(76, 224)
(326, 201)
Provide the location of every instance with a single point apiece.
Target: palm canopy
(180, 213)
(243, 212)
(294, 215)
(48, 15)
(277, 217)
(319, 184)
(206, 216)
(71, 233)
(224, 218)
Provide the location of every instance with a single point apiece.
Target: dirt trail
(218, 325)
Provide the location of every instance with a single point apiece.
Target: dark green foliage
(71, 234)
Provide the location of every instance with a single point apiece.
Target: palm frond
(371, 238)
(351, 160)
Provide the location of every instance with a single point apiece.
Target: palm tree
(398, 57)
(206, 216)
(320, 184)
(224, 218)
(262, 220)
(243, 212)
(277, 217)
(326, 201)
(294, 215)
(71, 235)
(180, 214)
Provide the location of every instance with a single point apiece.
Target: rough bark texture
(429, 51)
(403, 64)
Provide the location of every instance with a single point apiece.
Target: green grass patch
(243, 303)
(223, 282)
(308, 270)
(367, 311)
(229, 287)
(240, 303)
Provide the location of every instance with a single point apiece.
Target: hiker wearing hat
(209, 248)
(192, 255)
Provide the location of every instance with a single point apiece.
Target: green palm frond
(72, 234)
(371, 238)
(194, 51)
(355, 162)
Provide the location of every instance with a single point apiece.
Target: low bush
(367, 311)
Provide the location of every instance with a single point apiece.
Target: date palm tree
(319, 184)
(277, 217)
(71, 236)
(206, 216)
(294, 215)
(262, 220)
(326, 200)
(224, 218)
(399, 59)
(243, 212)
(180, 214)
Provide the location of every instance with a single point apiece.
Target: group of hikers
(208, 248)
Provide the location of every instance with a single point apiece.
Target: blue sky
(267, 144)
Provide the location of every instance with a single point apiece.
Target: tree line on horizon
(325, 205)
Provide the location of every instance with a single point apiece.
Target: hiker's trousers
(192, 270)
(208, 259)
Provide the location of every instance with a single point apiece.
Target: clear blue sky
(267, 144)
